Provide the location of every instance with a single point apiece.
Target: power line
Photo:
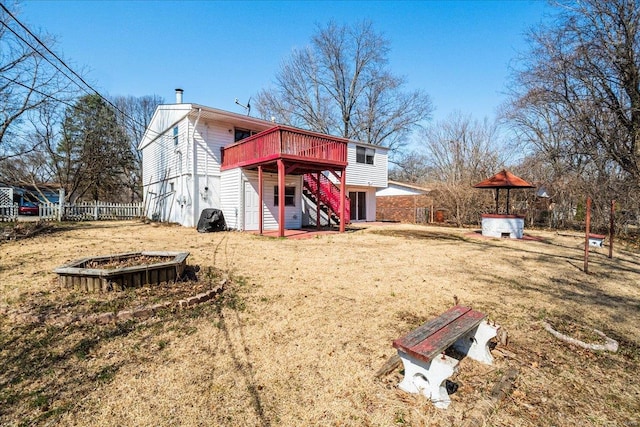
(36, 38)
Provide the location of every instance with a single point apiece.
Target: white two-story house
(261, 175)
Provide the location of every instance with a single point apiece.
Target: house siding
(292, 214)
(210, 137)
(360, 174)
(230, 182)
(164, 167)
(181, 180)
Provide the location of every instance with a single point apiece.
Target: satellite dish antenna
(246, 107)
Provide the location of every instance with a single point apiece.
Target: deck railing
(285, 142)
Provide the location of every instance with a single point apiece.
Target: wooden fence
(90, 211)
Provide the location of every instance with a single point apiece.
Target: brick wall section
(402, 208)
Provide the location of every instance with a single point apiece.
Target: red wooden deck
(287, 150)
(309, 151)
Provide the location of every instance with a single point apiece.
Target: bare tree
(411, 167)
(341, 85)
(460, 152)
(577, 98)
(27, 83)
(577, 95)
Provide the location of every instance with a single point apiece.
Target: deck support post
(343, 186)
(260, 196)
(281, 175)
(318, 224)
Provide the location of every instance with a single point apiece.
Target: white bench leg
(475, 343)
(428, 378)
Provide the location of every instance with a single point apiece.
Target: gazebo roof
(504, 179)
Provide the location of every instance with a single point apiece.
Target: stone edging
(123, 315)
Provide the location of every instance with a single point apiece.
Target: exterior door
(358, 205)
(251, 207)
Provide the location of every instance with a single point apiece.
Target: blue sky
(459, 52)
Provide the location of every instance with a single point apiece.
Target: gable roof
(167, 116)
(396, 188)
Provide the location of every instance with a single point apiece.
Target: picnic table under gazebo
(503, 225)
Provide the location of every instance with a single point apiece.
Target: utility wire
(36, 38)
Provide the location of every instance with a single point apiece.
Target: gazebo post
(497, 198)
(507, 201)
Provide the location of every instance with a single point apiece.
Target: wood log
(609, 345)
(392, 363)
(481, 412)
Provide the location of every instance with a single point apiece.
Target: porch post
(260, 195)
(343, 186)
(317, 177)
(281, 174)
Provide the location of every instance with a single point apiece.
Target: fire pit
(120, 271)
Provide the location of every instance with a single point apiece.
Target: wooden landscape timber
(84, 274)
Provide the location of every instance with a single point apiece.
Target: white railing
(90, 211)
(9, 212)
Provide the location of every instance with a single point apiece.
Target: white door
(251, 207)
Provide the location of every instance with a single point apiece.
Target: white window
(241, 134)
(365, 155)
(175, 135)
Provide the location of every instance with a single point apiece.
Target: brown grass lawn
(303, 325)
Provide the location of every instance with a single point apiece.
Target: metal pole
(586, 236)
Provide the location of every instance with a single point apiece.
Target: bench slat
(429, 340)
(429, 328)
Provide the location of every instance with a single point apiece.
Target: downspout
(195, 166)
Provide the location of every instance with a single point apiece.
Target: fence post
(61, 202)
(95, 210)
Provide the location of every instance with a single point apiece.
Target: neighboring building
(26, 193)
(196, 157)
(404, 203)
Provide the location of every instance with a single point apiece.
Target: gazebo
(503, 225)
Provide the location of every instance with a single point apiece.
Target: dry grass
(304, 324)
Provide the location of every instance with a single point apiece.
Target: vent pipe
(179, 96)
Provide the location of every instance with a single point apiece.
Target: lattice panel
(6, 196)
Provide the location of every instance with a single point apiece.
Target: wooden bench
(426, 367)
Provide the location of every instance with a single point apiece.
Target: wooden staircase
(329, 197)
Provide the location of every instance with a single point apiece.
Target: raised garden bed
(121, 271)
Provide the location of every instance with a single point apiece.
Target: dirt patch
(23, 230)
(134, 261)
(298, 336)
